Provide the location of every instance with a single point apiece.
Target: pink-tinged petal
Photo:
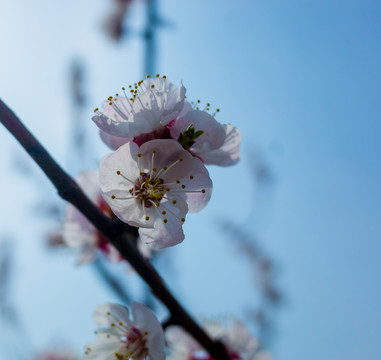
(168, 152)
(169, 233)
(109, 313)
(180, 343)
(127, 209)
(213, 136)
(186, 109)
(77, 231)
(199, 185)
(120, 109)
(111, 126)
(123, 160)
(103, 347)
(172, 99)
(146, 321)
(89, 253)
(155, 106)
(113, 142)
(228, 154)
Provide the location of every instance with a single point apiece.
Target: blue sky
(302, 81)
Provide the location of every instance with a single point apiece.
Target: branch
(119, 234)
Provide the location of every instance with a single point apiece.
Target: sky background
(302, 81)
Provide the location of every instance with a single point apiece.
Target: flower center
(150, 191)
(134, 346)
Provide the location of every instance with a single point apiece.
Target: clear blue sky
(301, 79)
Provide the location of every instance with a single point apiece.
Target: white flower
(218, 144)
(150, 105)
(78, 232)
(156, 109)
(122, 338)
(239, 343)
(153, 187)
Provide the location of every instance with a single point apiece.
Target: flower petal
(228, 154)
(108, 314)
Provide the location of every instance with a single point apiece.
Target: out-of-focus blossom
(123, 338)
(156, 109)
(78, 232)
(57, 354)
(239, 343)
(153, 187)
(113, 24)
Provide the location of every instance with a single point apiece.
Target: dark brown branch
(118, 233)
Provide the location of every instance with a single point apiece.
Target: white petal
(197, 180)
(103, 347)
(108, 314)
(228, 154)
(167, 153)
(111, 126)
(113, 142)
(163, 234)
(213, 136)
(123, 160)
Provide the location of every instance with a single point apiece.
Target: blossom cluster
(157, 173)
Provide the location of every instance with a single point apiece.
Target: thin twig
(118, 233)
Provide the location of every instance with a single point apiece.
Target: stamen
(125, 177)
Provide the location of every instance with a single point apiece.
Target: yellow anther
(181, 159)
(152, 86)
(183, 219)
(165, 168)
(163, 212)
(118, 172)
(112, 196)
(183, 186)
(164, 77)
(203, 191)
(174, 202)
(165, 221)
(147, 76)
(154, 151)
(157, 75)
(139, 155)
(191, 177)
(177, 181)
(153, 169)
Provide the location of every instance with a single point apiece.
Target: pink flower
(239, 343)
(78, 232)
(218, 144)
(150, 105)
(156, 109)
(153, 187)
(123, 338)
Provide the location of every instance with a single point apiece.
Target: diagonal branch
(121, 235)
